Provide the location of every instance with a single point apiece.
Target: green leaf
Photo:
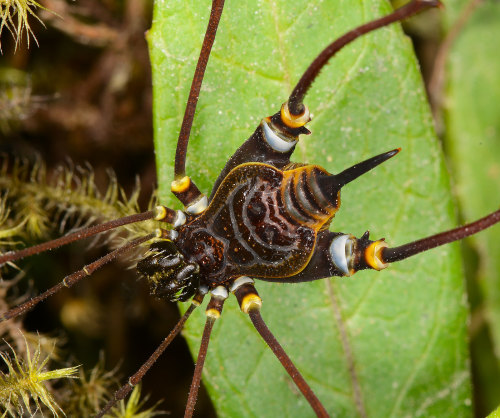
(473, 141)
(378, 344)
(495, 413)
(474, 136)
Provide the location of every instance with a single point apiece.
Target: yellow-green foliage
(16, 99)
(14, 17)
(25, 383)
(131, 409)
(91, 391)
(495, 413)
(33, 204)
(8, 229)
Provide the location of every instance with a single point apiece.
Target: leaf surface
(472, 106)
(377, 344)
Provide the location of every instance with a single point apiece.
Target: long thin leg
(390, 255)
(250, 303)
(280, 353)
(182, 186)
(214, 309)
(295, 104)
(137, 376)
(74, 278)
(274, 140)
(200, 362)
(160, 213)
(338, 254)
(187, 122)
(265, 145)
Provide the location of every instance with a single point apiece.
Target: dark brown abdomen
(251, 228)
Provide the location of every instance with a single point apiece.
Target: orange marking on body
(292, 179)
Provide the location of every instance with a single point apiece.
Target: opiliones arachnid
(265, 219)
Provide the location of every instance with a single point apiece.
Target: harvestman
(267, 218)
